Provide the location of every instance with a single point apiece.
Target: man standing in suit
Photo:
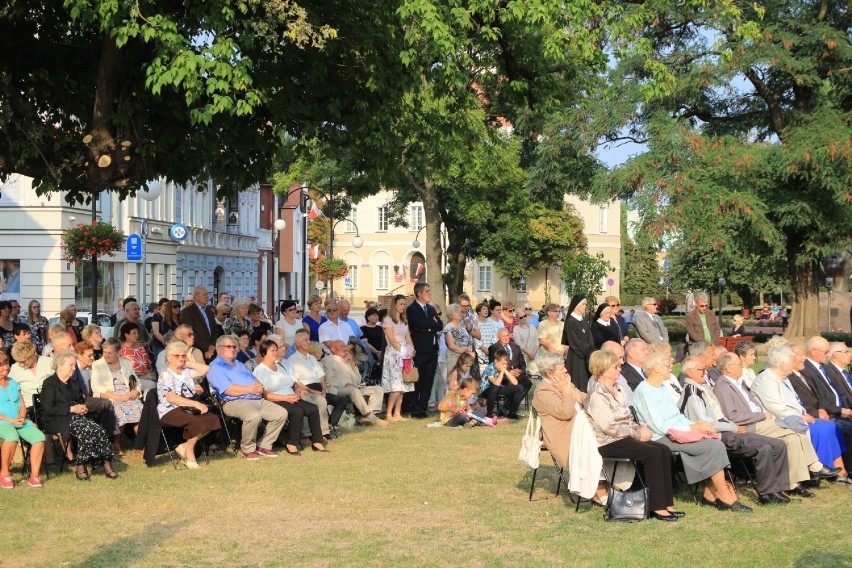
(701, 324)
(517, 364)
(201, 317)
(425, 327)
(649, 325)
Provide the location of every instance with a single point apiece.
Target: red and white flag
(314, 212)
(400, 274)
(313, 252)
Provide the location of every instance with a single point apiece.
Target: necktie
(848, 379)
(824, 373)
(204, 315)
(658, 325)
(799, 400)
(425, 310)
(509, 350)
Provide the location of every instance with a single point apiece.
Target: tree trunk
(804, 317)
(432, 213)
(454, 278)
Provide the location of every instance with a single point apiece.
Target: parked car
(84, 317)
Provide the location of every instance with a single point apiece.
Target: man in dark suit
(701, 323)
(517, 364)
(839, 358)
(425, 327)
(635, 353)
(201, 317)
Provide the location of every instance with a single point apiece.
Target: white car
(84, 317)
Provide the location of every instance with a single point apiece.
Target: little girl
(460, 371)
(455, 408)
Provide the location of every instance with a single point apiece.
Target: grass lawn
(405, 495)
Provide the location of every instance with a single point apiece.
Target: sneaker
(34, 482)
(266, 453)
(6, 483)
(191, 465)
(251, 456)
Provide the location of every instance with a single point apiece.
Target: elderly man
(201, 317)
(132, 314)
(343, 379)
(334, 329)
(425, 327)
(701, 323)
(829, 395)
(770, 455)
(635, 352)
(242, 397)
(310, 380)
(649, 325)
(742, 408)
(839, 359)
(344, 306)
(517, 363)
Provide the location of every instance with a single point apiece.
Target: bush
(666, 305)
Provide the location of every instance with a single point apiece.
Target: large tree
(753, 126)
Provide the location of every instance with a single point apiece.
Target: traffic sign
(610, 282)
(178, 232)
(134, 248)
(347, 282)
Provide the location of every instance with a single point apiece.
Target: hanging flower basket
(86, 241)
(330, 268)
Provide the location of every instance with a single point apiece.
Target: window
(383, 277)
(415, 218)
(522, 285)
(383, 219)
(350, 281)
(350, 221)
(484, 278)
(603, 224)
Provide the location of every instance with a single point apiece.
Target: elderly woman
(65, 414)
(279, 379)
(289, 323)
(114, 378)
(487, 330)
(773, 390)
(93, 335)
(67, 319)
(605, 326)
(399, 348)
(38, 324)
(178, 405)
(456, 335)
(223, 310)
(526, 337)
(577, 335)
(556, 401)
(705, 459)
(239, 316)
(30, 370)
(671, 384)
(619, 436)
(747, 352)
(135, 351)
(550, 332)
(14, 426)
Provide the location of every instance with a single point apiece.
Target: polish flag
(420, 268)
(313, 252)
(314, 212)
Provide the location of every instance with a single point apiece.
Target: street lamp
(416, 243)
(357, 242)
(830, 263)
(280, 225)
(150, 193)
(722, 284)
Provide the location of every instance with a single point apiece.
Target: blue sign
(134, 248)
(178, 232)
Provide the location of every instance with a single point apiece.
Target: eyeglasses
(331, 310)
(511, 311)
(291, 310)
(464, 305)
(228, 346)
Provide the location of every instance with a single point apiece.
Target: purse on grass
(630, 505)
(531, 442)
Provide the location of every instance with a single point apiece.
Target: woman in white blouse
(289, 323)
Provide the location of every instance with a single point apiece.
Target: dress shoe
(843, 480)
(800, 491)
(810, 484)
(771, 499)
(783, 498)
(677, 514)
(513, 416)
(705, 502)
(825, 472)
(667, 518)
(736, 507)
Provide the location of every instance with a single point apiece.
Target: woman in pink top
(399, 348)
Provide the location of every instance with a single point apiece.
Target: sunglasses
(614, 305)
(511, 311)
(331, 310)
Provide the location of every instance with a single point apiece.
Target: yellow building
(388, 262)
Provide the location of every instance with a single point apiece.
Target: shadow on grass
(130, 549)
(823, 559)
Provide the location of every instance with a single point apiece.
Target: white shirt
(739, 386)
(307, 369)
(330, 331)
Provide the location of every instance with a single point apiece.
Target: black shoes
(736, 507)
(670, 518)
(800, 491)
(825, 472)
(513, 416)
(773, 499)
(677, 514)
(705, 502)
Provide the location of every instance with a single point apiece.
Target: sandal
(82, 475)
(111, 474)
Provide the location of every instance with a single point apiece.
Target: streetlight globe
(280, 224)
(415, 243)
(152, 192)
(357, 242)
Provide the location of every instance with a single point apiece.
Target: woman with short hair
(289, 323)
(178, 405)
(114, 378)
(239, 316)
(550, 332)
(38, 324)
(313, 320)
(93, 335)
(747, 352)
(135, 351)
(456, 336)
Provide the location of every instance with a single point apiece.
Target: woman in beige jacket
(114, 378)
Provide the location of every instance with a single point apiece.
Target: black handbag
(630, 505)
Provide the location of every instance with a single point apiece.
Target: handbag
(190, 410)
(531, 442)
(410, 376)
(630, 505)
(131, 383)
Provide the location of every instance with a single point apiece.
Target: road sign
(347, 282)
(610, 282)
(144, 227)
(134, 248)
(178, 232)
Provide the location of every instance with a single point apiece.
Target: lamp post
(830, 264)
(280, 225)
(150, 193)
(722, 284)
(357, 242)
(416, 243)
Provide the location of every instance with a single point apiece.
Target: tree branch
(771, 99)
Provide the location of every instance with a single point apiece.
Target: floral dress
(392, 367)
(461, 338)
(39, 329)
(126, 412)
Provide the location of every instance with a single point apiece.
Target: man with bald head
(201, 317)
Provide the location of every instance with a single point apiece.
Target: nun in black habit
(577, 335)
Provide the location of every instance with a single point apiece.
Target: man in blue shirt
(242, 397)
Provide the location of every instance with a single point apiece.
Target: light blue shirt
(222, 375)
(356, 329)
(656, 410)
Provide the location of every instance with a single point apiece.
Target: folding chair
(559, 468)
(218, 404)
(38, 418)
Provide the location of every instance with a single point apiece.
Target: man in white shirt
(310, 381)
(334, 329)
